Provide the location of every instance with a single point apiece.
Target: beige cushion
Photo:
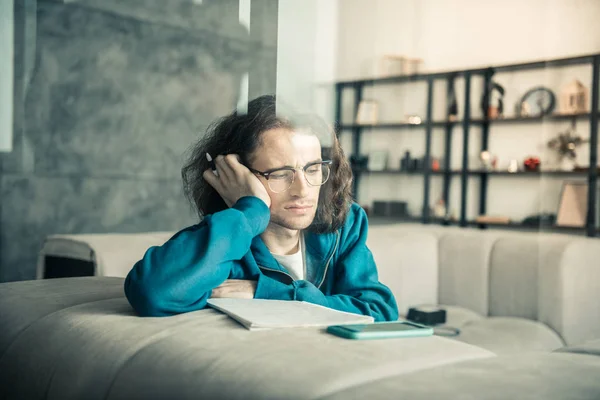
(99, 349)
(550, 278)
(407, 262)
(590, 347)
(572, 307)
(457, 317)
(510, 335)
(501, 335)
(464, 260)
(533, 376)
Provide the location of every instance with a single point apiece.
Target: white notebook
(267, 314)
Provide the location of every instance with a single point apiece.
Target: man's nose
(300, 186)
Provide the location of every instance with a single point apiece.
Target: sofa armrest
(112, 254)
(569, 290)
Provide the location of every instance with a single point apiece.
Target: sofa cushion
(24, 303)
(552, 376)
(456, 317)
(507, 335)
(81, 347)
(501, 335)
(464, 260)
(548, 277)
(519, 266)
(591, 347)
(570, 301)
(407, 262)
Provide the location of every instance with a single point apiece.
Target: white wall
(462, 34)
(6, 74)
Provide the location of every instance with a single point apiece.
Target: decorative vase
(567, 164)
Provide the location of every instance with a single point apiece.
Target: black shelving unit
(357, 86)
(477, 172)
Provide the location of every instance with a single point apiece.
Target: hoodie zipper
(337, 242)
(276, 270)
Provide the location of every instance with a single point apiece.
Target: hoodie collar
(319, 248)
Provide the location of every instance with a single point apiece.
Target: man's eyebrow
(317, 160)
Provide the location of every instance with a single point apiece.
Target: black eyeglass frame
(267, 174)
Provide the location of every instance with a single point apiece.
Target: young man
(277, 223)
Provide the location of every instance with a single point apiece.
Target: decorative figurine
(492, 101)
(574, 98)
(439, 209)
(452, 104)
(405, 162)
(489, 162)
(410, 164)
(566, 144)
(532, 164)
(522, 109)
(413, 119)
(513, 166)
(486, 160)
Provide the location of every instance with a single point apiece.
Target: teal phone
(381, 330)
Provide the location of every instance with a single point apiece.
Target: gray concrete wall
(118, 91)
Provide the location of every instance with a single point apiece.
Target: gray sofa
(528, 307)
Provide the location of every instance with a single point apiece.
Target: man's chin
(294, 223)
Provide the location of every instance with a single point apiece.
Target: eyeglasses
(281, 179)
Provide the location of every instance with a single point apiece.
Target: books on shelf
(492, 219)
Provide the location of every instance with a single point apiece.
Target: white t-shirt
(294, 263)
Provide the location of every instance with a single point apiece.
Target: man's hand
(235, 181)
(235, 288)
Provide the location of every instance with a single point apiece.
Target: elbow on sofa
(384, 312)
(145, 300)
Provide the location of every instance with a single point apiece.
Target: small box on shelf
(493, 219)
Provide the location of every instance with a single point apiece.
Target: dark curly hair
(240, 133)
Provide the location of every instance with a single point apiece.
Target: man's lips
(298, 207)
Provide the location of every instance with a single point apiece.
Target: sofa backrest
(551, 278)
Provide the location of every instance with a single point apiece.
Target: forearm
(179, 276)
(377, 301)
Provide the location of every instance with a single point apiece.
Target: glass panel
(6, 74)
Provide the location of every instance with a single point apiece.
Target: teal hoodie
(179, 276)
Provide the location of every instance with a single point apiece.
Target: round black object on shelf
(536, 102)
